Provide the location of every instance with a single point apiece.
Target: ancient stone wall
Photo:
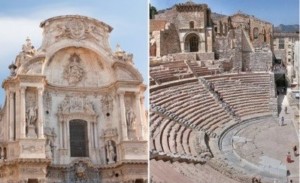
(260, 61)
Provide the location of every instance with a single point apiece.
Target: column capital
(40, 90)
(121, 93)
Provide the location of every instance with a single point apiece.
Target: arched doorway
(78, 138)
(192, 43)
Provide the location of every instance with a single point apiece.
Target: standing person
(282, 121)
(285, 109)
(295, 151)
(289, 158)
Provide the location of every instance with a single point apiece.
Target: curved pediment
(32, 66)
(126, 72)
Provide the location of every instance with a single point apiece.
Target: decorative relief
(110, 132)
(79, 30)
(50, 142)
(135, 150)
(107, 103)
(32, 149)
(32, 171)
(74, 71)
(76, 104)
(80, 170)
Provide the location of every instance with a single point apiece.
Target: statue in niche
(31, 115)
(31, 118)
(110, 152)
(130, 118)
(80, 170)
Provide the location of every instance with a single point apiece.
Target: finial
(118, 48)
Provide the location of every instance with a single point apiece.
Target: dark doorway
(33, 181)
(78, 138)
(192, 43)
(139, 181)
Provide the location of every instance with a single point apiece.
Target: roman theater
(224, 98)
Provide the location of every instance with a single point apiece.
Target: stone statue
(130, 118)
(27, 48)
(110, 152)
(48, 150)
(31, 116)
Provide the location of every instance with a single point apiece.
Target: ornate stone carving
(137, 150)
(110, 152)
(110, 132)
(79, 30)
(32, 149)
(74, 71)
(130, 118)
(76, 104)
(80, 170)
(107, 103)
(50, 142)
(31, 118)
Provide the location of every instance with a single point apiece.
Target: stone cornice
(24, 161)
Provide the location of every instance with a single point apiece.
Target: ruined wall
(169, 40)
(260, 61)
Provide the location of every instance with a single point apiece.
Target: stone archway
(192, 43)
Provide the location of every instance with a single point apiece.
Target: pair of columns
(138, 111)
(17, 105)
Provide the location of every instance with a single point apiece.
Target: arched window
(191, 24)
(78, 138)
(255, 33)
(192, 43)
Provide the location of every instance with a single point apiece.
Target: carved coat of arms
(74, 71)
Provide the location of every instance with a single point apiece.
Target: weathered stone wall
(183, 56)
(260, 61)
(205, 56)
(169, 40)
(280, 54)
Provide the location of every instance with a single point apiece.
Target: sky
(21, 19)
(274, 11)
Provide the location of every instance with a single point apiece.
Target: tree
(152, 11)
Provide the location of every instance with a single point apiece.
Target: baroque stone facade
(74, 109)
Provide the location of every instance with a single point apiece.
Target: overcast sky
(19, 19)
(274, 11)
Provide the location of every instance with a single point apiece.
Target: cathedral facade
(74, 109)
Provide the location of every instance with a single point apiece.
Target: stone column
(95, 135)
(11, 116)
(17, 114)
(67, 135)
(138, 115)
(40, 114)
(61, 135)
(144, 118)
(22, 113)
(123, 115)
(90, 137)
